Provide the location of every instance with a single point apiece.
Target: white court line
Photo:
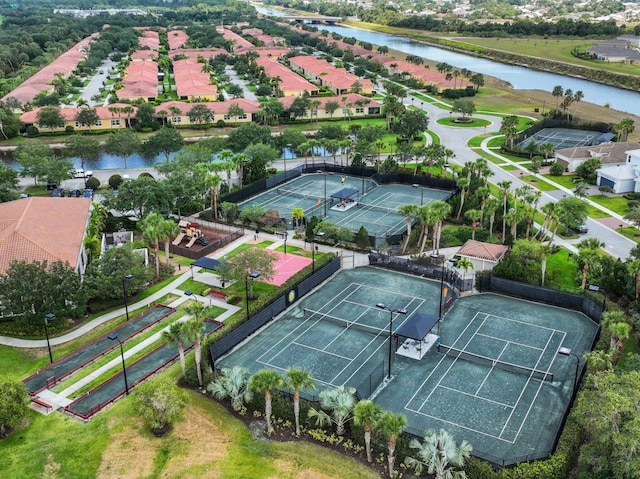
(307, 346)
(509, 406)
(492, 367)
(510, 342)
(518, 401)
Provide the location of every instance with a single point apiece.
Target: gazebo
(418, 337)
(344, 199)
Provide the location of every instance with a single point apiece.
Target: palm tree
(513, 217)
(625, 127)
(427, 218)
(168, 229)
(440, 454)
(617, 324)
(391, 426)
(299, 379)
(504, 189)
(463, 184)
(557, 92)
(232, 384)
(577, 98)
(213, 182)
(599, 360)
(151, 227)
(634, 270)
(239, 160)
(408, 211)
(298, 215)
(366, 414)
(174, 335)
(473, 216)
(340, 401)
(193, 330)
(491, 205)
(589, 255)
(263, 382)
(466, 264)
(440, 209)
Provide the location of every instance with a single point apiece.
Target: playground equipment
(192, 232)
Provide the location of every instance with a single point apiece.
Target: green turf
(539, 184)
(617, 204)
(565, 180)
(562, 271)
(474, 123)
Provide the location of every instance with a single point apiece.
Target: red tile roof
(140, 80)
(177, 39)
(194, 53)
(192, 81)
(150, 39)
(69, 113)
(486, 251)
(64, 64)
(291, 81)
(337, 77)
(218, 107)
(38, 229)
(238, 41)
(351, 98)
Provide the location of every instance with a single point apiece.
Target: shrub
(115, 181)
(606, 189)
(13, 403)
(93, 183)
(69, 129)
(556, 169)
(633, 204)
(146, 174)
(159, 402)
(221, 124)
(32, 131)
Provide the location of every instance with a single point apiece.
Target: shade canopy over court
(207, 263)
(344, 193)
(418, 326)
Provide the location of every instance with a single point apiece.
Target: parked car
(75, 193)
(57, 193)
(101, 72)
(52, 185)
(582, 229)
(25, 195)
(80, 173)
(87, 193)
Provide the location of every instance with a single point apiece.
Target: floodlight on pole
(48, 317)
(391, 311)
(253, 275)
(114, 337)
(563, 351)
(125, 278)
(437, 258)
(416, 185)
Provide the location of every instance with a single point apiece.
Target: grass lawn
(565, 180)
(208, 442)
(496, 142)
(630, 232)
(617, 204)
(594, 212)
(473, 123)
(561, 271)
(245, 246)
(193, 285)
(540, 184)
(509, 167)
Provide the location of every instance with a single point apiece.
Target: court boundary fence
(271, 310)
(488, 282)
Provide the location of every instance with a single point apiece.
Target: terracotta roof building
(429, 77)
(219, 109)
(177, 39)
(149, 39)
(483, 255)
(323, 73)
(39, 229)
(192, 83)
(237, 40)
(110, 117)
(350, 105)
(291, 84)
(140, 80)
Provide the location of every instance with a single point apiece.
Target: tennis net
(494, 363)
(308, 313)
(381, 209)
(296, 194)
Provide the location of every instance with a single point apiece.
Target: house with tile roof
(351, 105)
(609, 153)
(291, 84)
(220, 110)
(623, 176)
(39, 229)
(323, 73)
(191, 83)
(177, 39)
(111, 117)
(140, 81)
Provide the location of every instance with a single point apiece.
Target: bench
(48, 407)
(218, 294)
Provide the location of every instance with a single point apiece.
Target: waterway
(521, 78)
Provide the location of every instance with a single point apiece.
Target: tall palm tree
(504, 190)
(213, 182)
(463, 184)
(299, 379)
(239, 160)
(408, 211)
(366, 414)
(391, 426)
(611, 321)
(263, 382)
(491, 205)
(426, 217)
(231, 383)
(599, 360)
(440, 209)
(340, 401)
(193, 330)
(557, 92)
(474, 217)
(174, 335)
(634, 270)
(513, 217)
(589, 255)
(440, 454)
(169, 229)
(151, 227)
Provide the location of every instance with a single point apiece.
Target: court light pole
(284, 159)
(114, 337)
(416, 185)
(563, 351)
(436, 257)
(125, 278)
(391, 311)
(48, 317)
(253, 275)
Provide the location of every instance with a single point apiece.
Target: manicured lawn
(245, 246)
(594, 212)
(565, 180)
(562, 271)
(474, 123)
(509, 167)
(540, 184)
(496, 142)
(617, 204)
(630, 232)
(207, 441)
(193, 285)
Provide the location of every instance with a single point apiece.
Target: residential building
(291, 84)
(323, 73)
(609, 153)
(192, 83)
(111, 117)
(44, 229)
(140, 81)
(350, 105)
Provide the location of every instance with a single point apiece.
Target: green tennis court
(497, 378)
(371, 205)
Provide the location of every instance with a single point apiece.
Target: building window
(176, 119)
(78, 124)
(242, 117)
(98, 123)
(115, 122)
(359, 111)
(227, 117)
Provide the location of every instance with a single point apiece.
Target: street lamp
(114, 337)
(391, 311)
(48, 317)
(284, 159)
(415, 185)
(252, 275)
(285, 241)
(567, 352)
(126, 277)
(436, 257)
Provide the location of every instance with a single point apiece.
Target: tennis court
(497, 379)
(374, 206)
(561, 138)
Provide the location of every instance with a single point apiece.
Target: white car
(80, 173)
